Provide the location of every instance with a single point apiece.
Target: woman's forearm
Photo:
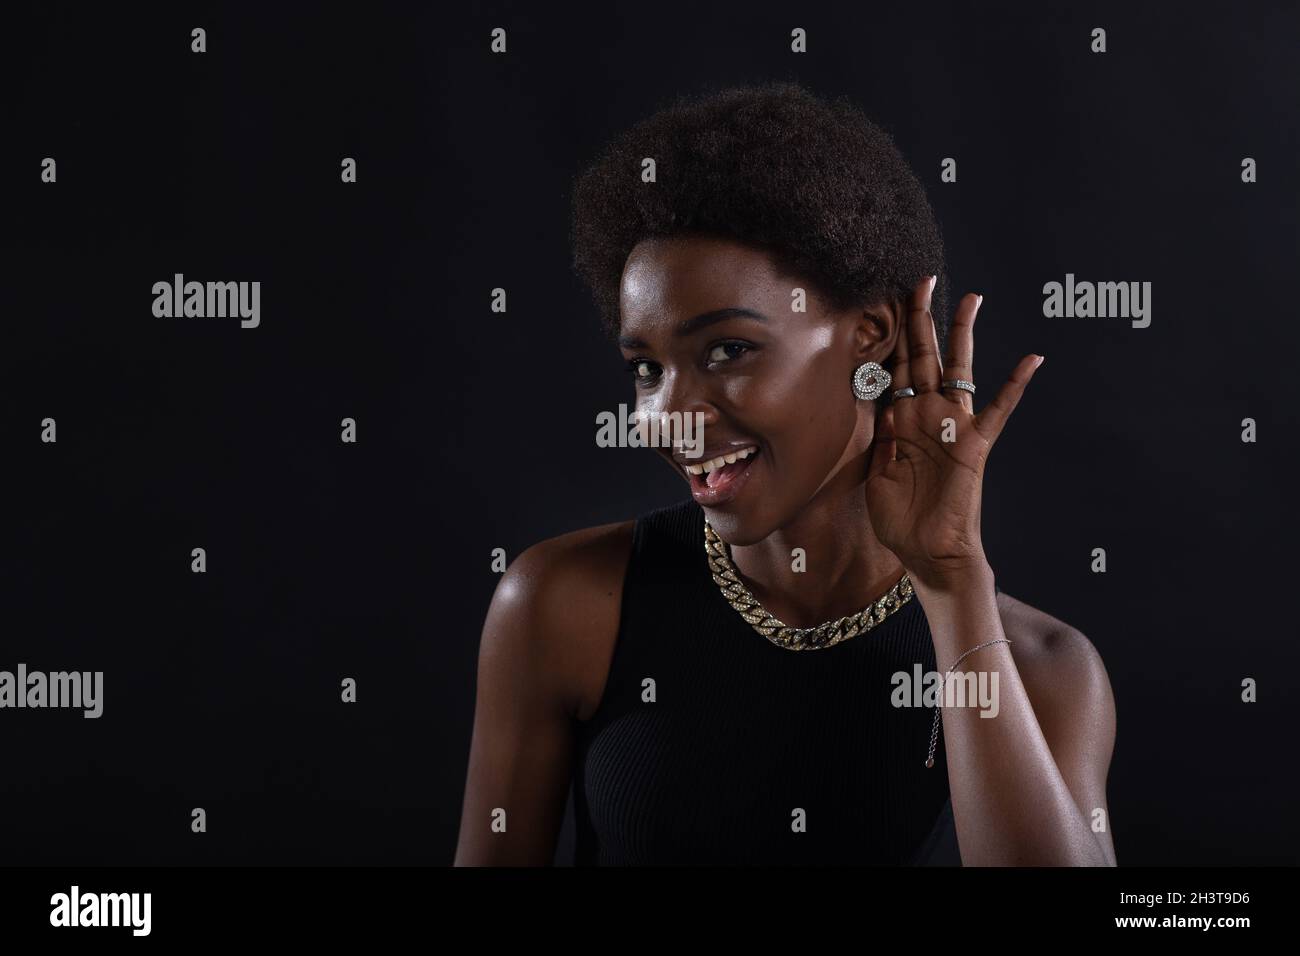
(1010, 803)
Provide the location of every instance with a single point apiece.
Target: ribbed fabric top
(741, 734)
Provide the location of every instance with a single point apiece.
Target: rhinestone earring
(870, 381)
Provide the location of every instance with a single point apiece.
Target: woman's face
(777, 380)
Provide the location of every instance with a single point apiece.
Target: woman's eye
(725, 351)
(641, 369)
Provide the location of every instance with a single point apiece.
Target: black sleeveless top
(741, 735)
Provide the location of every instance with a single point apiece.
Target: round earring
(870, 381)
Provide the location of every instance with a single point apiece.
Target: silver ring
(959, 383)
(908, 392)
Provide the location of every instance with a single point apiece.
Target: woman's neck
(844, 566)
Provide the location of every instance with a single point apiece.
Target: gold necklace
(777, 631)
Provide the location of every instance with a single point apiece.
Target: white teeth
(703, 468)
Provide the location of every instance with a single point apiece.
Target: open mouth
(718, 479)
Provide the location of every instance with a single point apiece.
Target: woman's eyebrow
(700, 321)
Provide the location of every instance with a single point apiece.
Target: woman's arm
(548, 634)
(1018, 797)
(1026, 784)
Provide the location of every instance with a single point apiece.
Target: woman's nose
(679, 412)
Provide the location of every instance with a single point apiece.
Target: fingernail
(1040, 361)
(933, 280)
(979, 300)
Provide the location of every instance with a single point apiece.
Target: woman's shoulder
(1039, 637)
(557, 608)
(1062, 671)
(579, 558)
(596, 558)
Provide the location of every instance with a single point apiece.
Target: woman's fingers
(901, 374)
(993, 419)
(883, 447)
(961, 349)
(923, 363)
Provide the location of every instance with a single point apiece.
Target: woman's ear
(876, 331)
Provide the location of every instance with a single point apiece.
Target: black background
(372, 560)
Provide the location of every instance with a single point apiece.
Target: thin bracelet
(934, 732)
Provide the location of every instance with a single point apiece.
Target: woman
(739, 678)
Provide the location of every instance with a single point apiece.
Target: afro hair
(816, 183)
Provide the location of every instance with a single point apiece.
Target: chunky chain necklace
(776, 630)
